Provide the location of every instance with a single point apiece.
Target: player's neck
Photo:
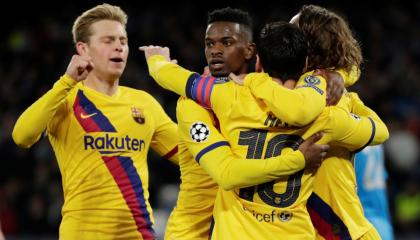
(289, 83)
(106, 86)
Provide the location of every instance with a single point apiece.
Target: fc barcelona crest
(138, 115)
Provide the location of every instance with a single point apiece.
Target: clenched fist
(79, 67)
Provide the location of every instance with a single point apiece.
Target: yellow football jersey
(192, 215)
(198, 132)
(334, 206)
(101, 144)
(277, 207)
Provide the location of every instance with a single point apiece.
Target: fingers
(315, 138)
(321, 72)
(233, 77)
(238, 79)
(206, 71)
(152, 50)
(335, 87)
(79, 67)
(334, 92)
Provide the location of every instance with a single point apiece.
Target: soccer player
(371, 188)
(229, 48)
(335, 208)
(101, 133)
(277, 207)
(198, 190)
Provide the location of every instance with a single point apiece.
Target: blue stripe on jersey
(99, 118)
(191, 85)
(200, 94)
(209, 148)
(328, 215)
(371, 136)
(112, 152)
(131, 171)
(211, 227)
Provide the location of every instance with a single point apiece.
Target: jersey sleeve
(212, 151)
(165, 138)
(35, 119)
(297, 107)
(359, 108)
(358, 129)
(349, 77)
(192, 85)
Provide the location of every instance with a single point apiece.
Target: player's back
(101, 143)
(271, 208)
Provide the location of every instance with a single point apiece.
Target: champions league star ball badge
(199, 132)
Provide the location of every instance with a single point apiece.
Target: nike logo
(83, 116)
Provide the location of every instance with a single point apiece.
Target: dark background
(36, 47)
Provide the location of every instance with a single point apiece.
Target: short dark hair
(282, 48)
(229, 14)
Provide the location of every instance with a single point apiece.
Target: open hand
(238, 79)
(335, 85)
(152, 50)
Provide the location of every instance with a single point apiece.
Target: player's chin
(219, 72)
(116, 73)
(117, 70)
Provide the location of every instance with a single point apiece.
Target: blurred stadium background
(36, 46)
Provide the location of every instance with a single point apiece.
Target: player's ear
(82, 48)
(250, 51)
(258, 66)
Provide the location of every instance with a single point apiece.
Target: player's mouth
(217, 64)
(117, 60)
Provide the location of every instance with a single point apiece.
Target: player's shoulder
(311, 78)
(184, 102)
(137, 94)
(188, 109)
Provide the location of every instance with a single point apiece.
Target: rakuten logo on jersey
(110, 143)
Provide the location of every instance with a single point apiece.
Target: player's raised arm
(34, 120)
(297, 107)
(166, 73)
(178, 79)
(213, 153)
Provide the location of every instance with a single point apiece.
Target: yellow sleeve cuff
(300, 159)
(67, 80)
